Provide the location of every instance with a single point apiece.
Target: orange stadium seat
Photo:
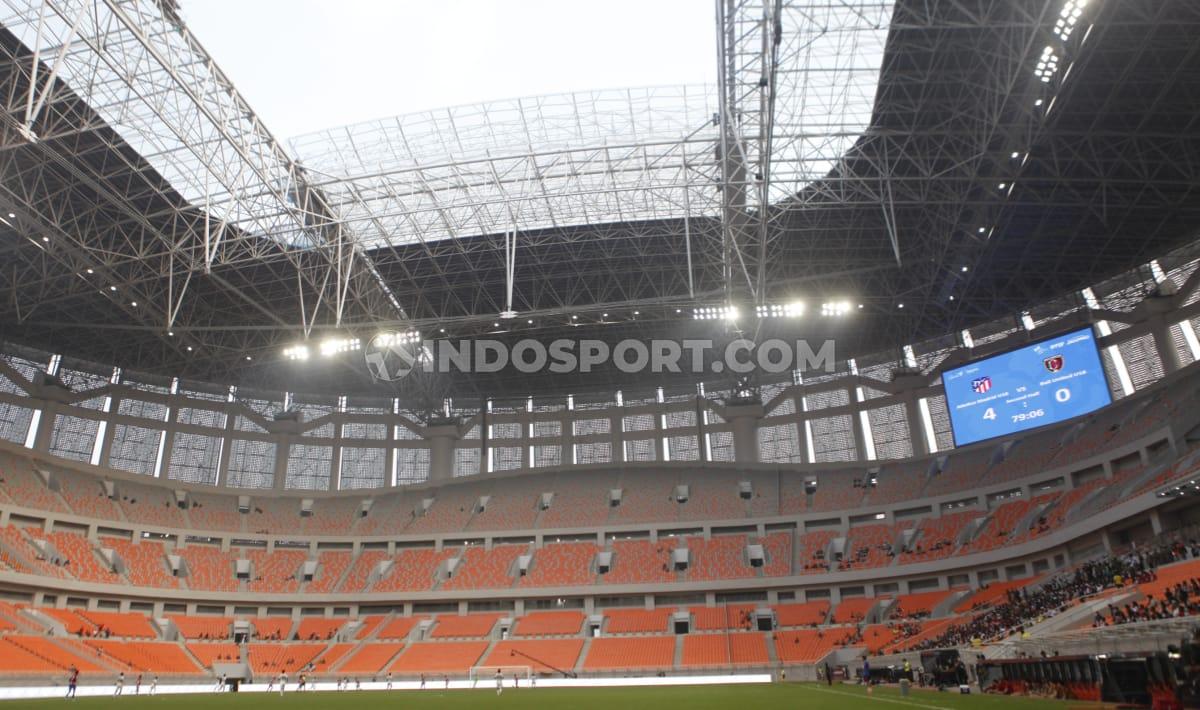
(701, 650)
(209, 568)
(210, 653)
(81, 558)
(579, 500)
(721, 618)
(812, 551)
(72, 622)
(562, 564)
(777, 549)
(369, 625)
(995, 591)
(808, 645)
(722, 557)
(486, 569)
(869, 546)
(331, 565)
(25, 487)
(853, 610)
(145, 562)
(150, 505)
(203, 627)
(50, 651)
(450, 657)
(919, 604)
(549, 623)
(371, 658)
(451, 510)
(360, 570)
(128, 625)
(713, 496)
(271, 658)
(274, 628)
(515, 507)
(332, 656)
(636, 621)
(311, 629)
(150, 657)
(937, 538)
(641, 561)
(468, 626)
(646, 497)
(542, 655)
(631, 652)
(413, 570)
(275, 572)
(803, 614)
(85, 495)
(214, 512)
(22, 556)
(399, 627)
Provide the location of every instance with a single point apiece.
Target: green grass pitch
(742, 697)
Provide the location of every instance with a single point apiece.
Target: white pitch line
(882, 700)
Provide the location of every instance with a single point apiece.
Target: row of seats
(634, 561)
(582, 499)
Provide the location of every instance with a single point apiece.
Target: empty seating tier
(631, 653)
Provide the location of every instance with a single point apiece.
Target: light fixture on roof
(133, 303)
(1003, 185)
(11, 215)
(1068, 17)
(982, 230)
(189, 348)
(249, 358)
(1047, 65)
(900, 305)
(90, 271)
(1038, 102)
(715, 313)
(295, 352)
(835, 308)
(112, 288)
(964, 268)
(1015, 155)
(333, 346)
(46, 239)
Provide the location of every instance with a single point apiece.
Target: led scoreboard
(1038, 384)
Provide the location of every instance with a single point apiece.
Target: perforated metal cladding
(363, 467)
(14, 418)
(890, 432)
(412, 465)
(251, 463)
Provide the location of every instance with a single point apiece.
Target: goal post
(486, 675)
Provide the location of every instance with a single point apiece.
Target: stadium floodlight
(717, 313)
(333, 346)
(1047, 65)
(295, 352)
(1068, 17)
(835, 308)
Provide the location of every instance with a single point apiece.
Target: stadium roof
(998, 152)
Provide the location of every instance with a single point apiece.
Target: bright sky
(305, 65)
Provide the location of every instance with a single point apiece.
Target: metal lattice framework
(911, 153)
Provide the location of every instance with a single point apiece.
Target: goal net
(486, 675)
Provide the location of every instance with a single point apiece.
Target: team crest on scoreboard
(981, 385)
(1053, 363)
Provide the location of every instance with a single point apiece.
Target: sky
(306, 65)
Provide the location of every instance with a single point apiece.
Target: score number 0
(1062, 394)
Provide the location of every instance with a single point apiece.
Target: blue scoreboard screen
(1039, 384)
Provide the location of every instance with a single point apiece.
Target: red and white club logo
(1053, 363)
